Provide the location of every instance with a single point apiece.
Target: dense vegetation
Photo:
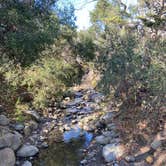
(40, 48)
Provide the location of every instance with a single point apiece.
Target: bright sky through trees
(83, 18)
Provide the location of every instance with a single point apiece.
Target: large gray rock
(4, 120)
(11, 140)
(27, 151)
(7, 157)
(112, 152)
(102, 140)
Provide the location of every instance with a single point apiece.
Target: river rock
(130, 158)
(156, 144)
(27, 151)
(27, 163)
(7, 157)
(112, 152)
(13, 141)
(102, 140)
(4, 120)
(76, 102)
(19, 127)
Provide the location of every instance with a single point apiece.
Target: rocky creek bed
(81, 131)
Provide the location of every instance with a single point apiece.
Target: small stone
(27, 163)
(102, 140)
(156, 144)
(27, 151)
(44, 145)
(149, 159)
(7, 157)
(130, 158)
(4, 121)
(84, 161)
(19, 127)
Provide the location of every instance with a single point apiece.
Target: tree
(27, 27)
(153, 14)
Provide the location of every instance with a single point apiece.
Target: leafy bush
(48, 79)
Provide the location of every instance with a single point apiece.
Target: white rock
(112, 152)
(27, 151)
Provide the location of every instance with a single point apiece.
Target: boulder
(27, 151)
(11, 140)
(112, 152)
(7, 157)
(102, 140)
(4, 120)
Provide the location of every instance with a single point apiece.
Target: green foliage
(26, 30)
(85, 46)
(107, 13)
(48, 79)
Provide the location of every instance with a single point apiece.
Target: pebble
(130, 158)
(84, 161)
